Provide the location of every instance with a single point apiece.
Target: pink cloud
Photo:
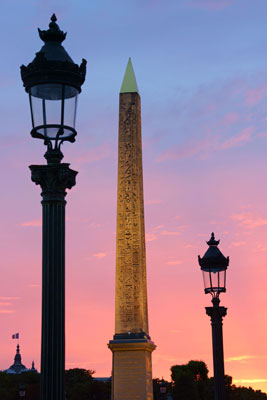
(187, 150)
(9, 298)
(188, 246)
(150, 237)
(248, 220)
(100, 255)
(262, 134)
(7, 303)
(95, 225)
(230, 123)
(158, 227)
(239, 139)
(150, 202)
(210, 4)
(261, 247)
(33, 223)
(248, 117)
(170, 233)
(254, 96)
(7, 311)
(174, 262)
(237, 244)
(96, 154)
(192, 148)
(230, 118)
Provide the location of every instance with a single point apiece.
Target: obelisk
(131, 345)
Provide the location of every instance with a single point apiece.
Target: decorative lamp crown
(213, 258)
(53, 34)
(212, 241)
(52, 64)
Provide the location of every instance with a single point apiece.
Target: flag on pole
(15, 336)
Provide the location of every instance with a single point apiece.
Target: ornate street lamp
(163, 389)
(214, 265)
(53, 82)
(22, 391)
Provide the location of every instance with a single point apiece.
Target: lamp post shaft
(54, 179)
(216, 314)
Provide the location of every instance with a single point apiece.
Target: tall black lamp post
(213, 265)
(53, 82)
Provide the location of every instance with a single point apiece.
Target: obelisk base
(132, 369)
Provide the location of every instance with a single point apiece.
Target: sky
(201, 69)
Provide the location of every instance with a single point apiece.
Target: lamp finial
(53, 34)
(212, 241)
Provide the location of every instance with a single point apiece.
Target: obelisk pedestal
(132, 369)
(131, 345)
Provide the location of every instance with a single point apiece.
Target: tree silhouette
(191, 382)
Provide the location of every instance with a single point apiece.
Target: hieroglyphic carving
(131, 291)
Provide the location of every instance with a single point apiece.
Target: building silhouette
(17, 367)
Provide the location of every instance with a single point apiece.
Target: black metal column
(216, 314)
(54, 179)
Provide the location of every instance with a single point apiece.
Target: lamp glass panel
(206, 279)
(52, 113)
(218, 280)
(222, 278)
(53, 104)
(70, 108)
(37, 111)
(215, 278)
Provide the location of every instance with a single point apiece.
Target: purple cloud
(237, 140)
(210, 4)
(218, 117)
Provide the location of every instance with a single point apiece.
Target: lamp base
(53, 156)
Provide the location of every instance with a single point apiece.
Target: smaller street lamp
(22, 391)
(163, 389)
(214, 265)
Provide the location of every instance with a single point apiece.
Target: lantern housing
(22, 391)
(214, 265)
(163, 387)
(53, 82)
